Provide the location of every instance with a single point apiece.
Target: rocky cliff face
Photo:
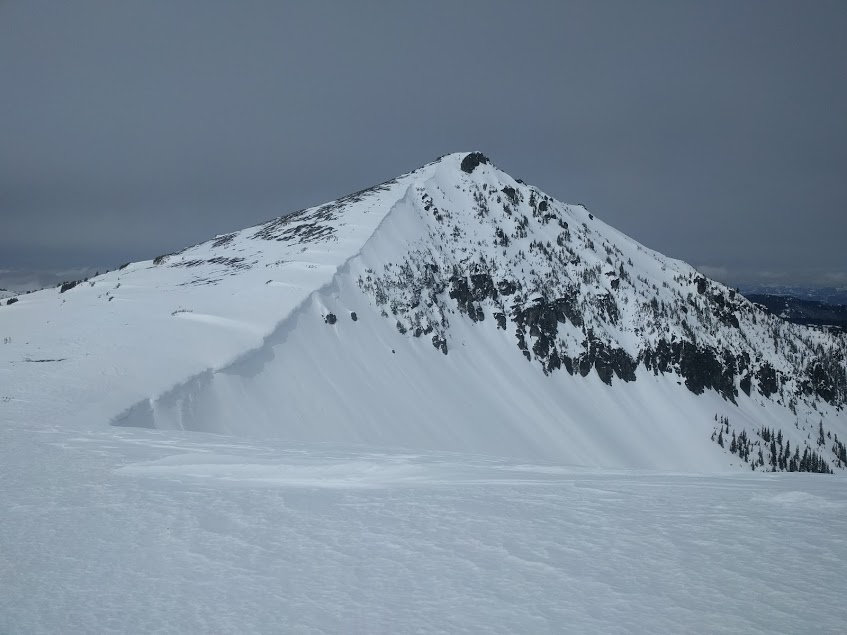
(579, 297)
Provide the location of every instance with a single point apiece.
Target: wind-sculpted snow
(139, 531)
(451, 308)
(123, 337)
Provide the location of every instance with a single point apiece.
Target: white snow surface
(191, 445)
(146, 531)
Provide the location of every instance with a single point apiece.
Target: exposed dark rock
(483, 286)
(510, 193)
(567, 308)
(621, 363)
(123, 266)
(521, 339)
(506, 287)
(472, 160)
(540, 317)
(729, 319)
(467, 295)
(604, 370)
(501, 320)
(461, 292)
(309, 225)
(585, 364)
(702, 368)
(541, 348)
(554, 362)
(766, 376)
(222, 241)
(822, 383)
(440, 343)
(608, 305)
(606, 360)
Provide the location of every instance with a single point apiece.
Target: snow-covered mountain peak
(451, 308)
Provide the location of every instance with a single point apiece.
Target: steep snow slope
(87, 352)
(451, 309)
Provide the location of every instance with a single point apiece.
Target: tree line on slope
(771, 450)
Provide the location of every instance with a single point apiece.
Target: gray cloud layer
(711, 131)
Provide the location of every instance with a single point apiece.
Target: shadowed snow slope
(453, 308)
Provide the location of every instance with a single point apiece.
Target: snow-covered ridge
(454, 308)
(139, 331)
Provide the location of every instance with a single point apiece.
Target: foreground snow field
(130, 530)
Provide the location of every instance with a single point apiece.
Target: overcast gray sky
(715, 132)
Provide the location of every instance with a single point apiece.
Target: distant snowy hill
(799, 311)
(451, 309)
(835, 296)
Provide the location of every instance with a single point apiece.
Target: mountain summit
(453, 308)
